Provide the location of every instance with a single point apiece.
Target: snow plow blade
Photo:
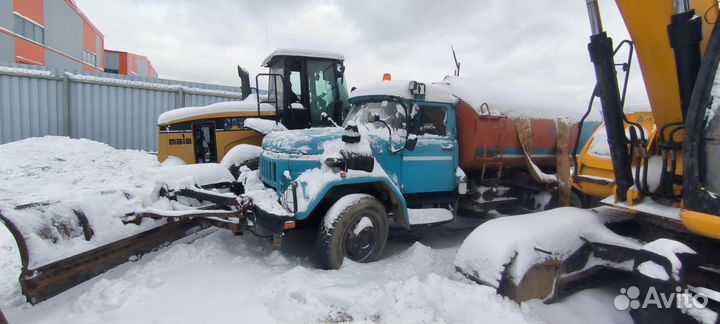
(41, 283)
(44, 231)
(548, 255)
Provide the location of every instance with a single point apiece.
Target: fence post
(66, 104)
(180, 98)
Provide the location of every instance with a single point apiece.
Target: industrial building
(56, 33)
(128, 64)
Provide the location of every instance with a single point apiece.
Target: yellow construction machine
(304, 88)
(660, 226)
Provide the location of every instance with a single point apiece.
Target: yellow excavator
(659, 227)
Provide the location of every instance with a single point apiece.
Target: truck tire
(356, 226)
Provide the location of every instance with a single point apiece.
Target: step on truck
(409, 154)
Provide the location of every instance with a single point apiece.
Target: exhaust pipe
(601, 54)
(685, 31)
(244, 82)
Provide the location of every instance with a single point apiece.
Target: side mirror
(411, 142)
(373, 117)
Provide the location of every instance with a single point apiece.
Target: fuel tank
(491, 141)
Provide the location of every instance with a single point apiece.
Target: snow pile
(669, 250)
(415, 282)
(249, 105)
(264, 126)
(516, 103)
(416, 285)
(10, 293)
(262, 197)
(45, 182)
(494, 244)
(239, 154)
(653, 270)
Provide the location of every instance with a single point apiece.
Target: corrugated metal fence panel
(124, 117)
(118, 110)
(29, 107)
(195, 100)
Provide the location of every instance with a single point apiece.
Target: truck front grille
(268, 170)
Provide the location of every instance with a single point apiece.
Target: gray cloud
(538, 45)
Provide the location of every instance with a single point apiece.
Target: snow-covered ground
(215, 277)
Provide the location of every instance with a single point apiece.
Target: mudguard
(397, 198)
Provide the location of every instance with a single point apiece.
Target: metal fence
(118, 110)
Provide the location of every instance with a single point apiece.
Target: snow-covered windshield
(392, 112)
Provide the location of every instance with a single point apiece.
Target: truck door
(430, 167)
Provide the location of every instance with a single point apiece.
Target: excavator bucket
(524, 258)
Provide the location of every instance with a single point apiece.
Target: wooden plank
(563, 162)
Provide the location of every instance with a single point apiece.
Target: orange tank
(491, 141)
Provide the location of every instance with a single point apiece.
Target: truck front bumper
(273, 222)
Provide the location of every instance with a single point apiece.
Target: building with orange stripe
(56, 33)
(128, 64)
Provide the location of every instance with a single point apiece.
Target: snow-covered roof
(516, 102)
(304, 53)
(247, 105)
(399, 88)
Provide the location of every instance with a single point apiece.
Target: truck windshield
(392, 112)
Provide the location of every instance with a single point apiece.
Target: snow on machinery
(662, 225)
(66, 239)
(402, 156)
(303, 87)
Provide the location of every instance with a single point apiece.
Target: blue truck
(395, 161)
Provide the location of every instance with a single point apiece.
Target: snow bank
(249, 105)
(413, 283)
(490, 247)
(516, 102)
(43, 181)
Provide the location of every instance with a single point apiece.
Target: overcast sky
(539, 45)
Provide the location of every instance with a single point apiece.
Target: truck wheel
(356, 226)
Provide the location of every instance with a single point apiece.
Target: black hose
(580, 129)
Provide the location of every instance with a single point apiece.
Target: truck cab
(394, 159)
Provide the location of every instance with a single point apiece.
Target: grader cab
(304, 89)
